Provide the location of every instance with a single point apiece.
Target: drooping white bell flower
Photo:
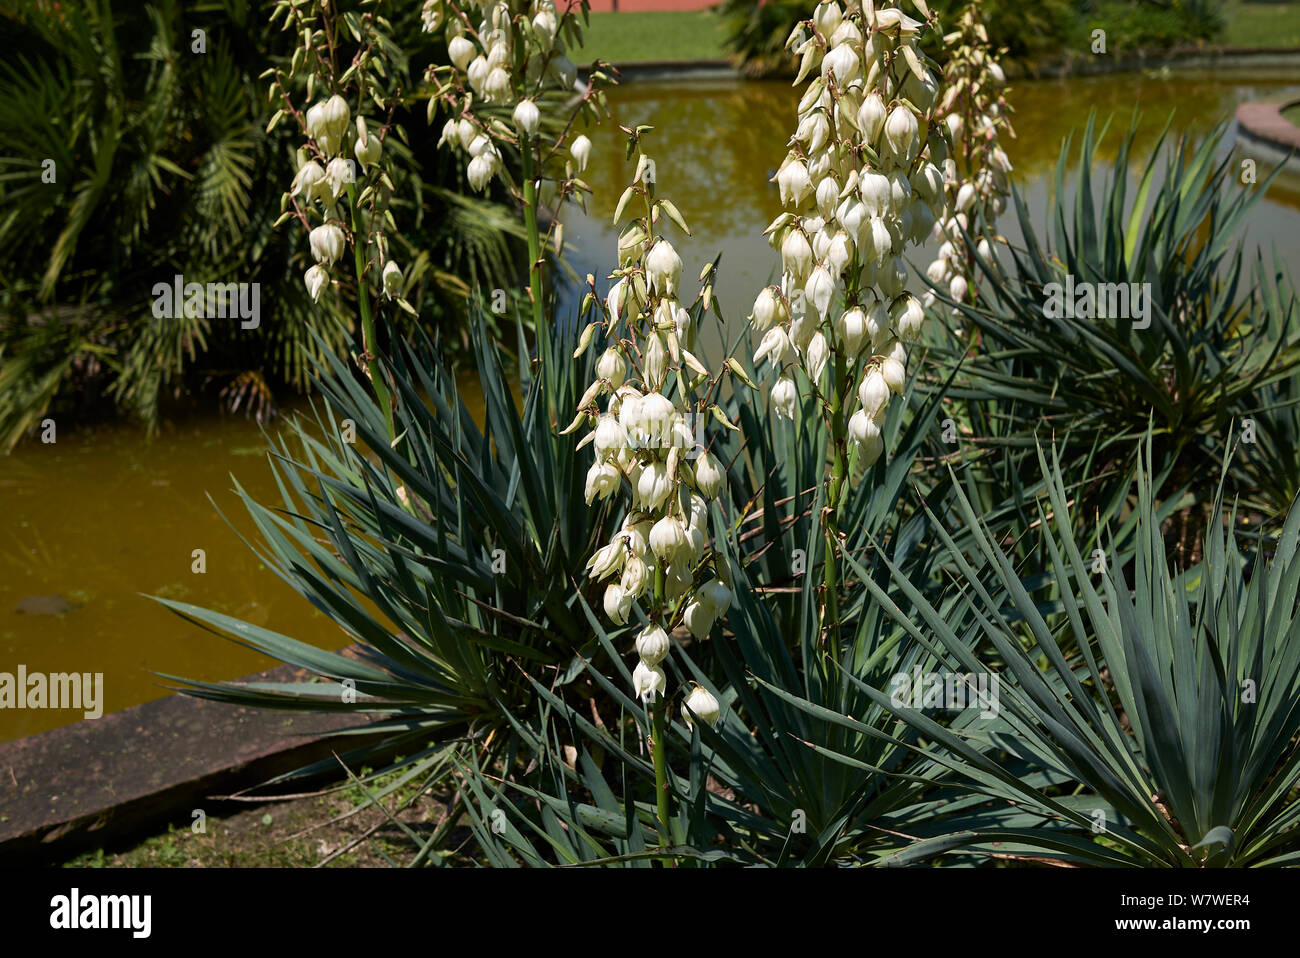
(851, 328)
(785, 397)
(652, 645)
(702, 705)
(367, 148)
(816, 355)
(908, 317)
(392, 279)
(327, 243)
(527, 117)
(612, 366)
(316, 278)
(580, 150)
(873, 393)
(648, 682)
(901, 133)
(663, 268)
(636, 577)
(709, 475)
(307, 181)
(819, 290)
(461, 51)
(602, 481)
(668, 538)
(618, 604)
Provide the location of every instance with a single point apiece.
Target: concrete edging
(128, 773)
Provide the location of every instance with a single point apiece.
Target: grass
(1261, 24)
(336, 829)
(637, 37)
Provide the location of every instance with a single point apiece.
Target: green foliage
(1032, 32)
(162, 165)
(449, 556)
(1170, 697)
(1221, 329)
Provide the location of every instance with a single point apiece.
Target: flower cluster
(505, 53)
(647, 409)
(340, 190)
(860, 183)
(976, 177)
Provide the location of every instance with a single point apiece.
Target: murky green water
(105, 515)
(716, 144)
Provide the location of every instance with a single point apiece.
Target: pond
(717, 143)
(105, 516)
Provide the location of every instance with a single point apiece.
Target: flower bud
(708, 475)
(702, 705)
(392, 279)
(612, 366)
(652, 645)
(580, 150)
(461, 51)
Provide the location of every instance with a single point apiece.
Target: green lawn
(636, 37)
(1262, 24)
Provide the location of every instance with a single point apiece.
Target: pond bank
(101, 782)
(1189, 58)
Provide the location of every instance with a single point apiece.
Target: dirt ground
(334, 829)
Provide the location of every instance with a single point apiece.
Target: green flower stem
(659, 741)
(368, 343)
(534, 248)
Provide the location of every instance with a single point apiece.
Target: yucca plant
(780, 780)
(448, 557)
(1188, 356)
(1171, 700)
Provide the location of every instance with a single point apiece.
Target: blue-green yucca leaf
(1098, 383)
(1202, 666)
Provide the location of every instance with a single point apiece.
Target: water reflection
(716, 143)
